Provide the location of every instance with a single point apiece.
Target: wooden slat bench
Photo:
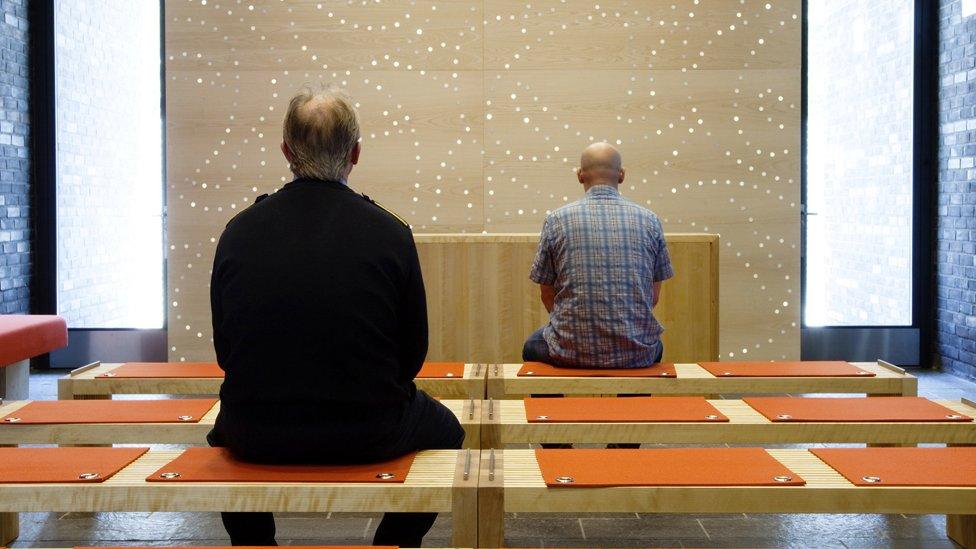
(515, 484)
(84, 383)
(504, 422)
(468, 413)
(438, 481)
(504, 383)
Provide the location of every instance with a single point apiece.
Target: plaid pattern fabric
(602, 255)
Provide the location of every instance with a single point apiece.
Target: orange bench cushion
(594, 468)
(441, 370)
(166, 370)
(903, 466)
(50, 412)
(27, 336)
(63, 465)
(217, 465)
(212, 370)
(541, 369)
(808, 368)
(888, 409)
(620, 410)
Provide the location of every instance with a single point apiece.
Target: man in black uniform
(320, 323)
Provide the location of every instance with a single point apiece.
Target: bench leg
(962, 529)
(15, 381)
(464, 499)
(491, 501)
(9, 528)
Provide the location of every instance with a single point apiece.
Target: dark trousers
(537, 350)
(425, 425)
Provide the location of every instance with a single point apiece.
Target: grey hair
(321, 129)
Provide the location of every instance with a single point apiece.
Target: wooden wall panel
(482, 304)
(474, 123)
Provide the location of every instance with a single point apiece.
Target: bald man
(600, 265)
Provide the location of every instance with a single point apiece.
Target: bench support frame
(14, 381)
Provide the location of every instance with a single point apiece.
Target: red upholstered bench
(21, 338)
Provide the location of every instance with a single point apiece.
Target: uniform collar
(302, 182)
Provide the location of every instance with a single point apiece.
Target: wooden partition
(482, 305)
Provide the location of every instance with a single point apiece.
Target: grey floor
(535, 530)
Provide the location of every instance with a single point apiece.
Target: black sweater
(318, 304)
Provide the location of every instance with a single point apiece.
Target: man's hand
(548, 296)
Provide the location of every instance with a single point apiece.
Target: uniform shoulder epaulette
(257, 199)
(385, 209)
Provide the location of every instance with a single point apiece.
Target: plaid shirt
(602, 255)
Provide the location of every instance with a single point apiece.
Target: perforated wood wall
(473, 116)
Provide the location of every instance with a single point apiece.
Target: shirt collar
(603, 190)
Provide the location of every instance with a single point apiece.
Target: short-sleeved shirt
(602, 254)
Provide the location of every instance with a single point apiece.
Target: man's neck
(586, 188)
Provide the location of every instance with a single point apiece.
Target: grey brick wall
(956, 254)
(15, 230)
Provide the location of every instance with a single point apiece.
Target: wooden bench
(504, 383)
(504, 422)
(468, 413)
(511, 481)
(438, 481)
(84, 383)
(23, 337)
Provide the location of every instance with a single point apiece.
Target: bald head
(600, 164)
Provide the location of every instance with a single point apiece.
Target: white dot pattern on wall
(473, 115)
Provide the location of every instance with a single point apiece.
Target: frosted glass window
(110, 260)
(860, 56)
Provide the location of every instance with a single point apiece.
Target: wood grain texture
(482, 305)
(473, 115)
(468, 413)
(427, 488)
(826, 491)
(504, 383)
(87, 384)
(745, 426)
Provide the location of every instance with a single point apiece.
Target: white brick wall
(109, 176)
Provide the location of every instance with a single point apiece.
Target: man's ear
(622, 174)
(579, 175)
(354, 156)
(287, 152)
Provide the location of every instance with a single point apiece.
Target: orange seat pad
(541, 369)
(621, 410)
(212, 370)
(27, 336)
(166, 370)
(246, 547)
(441, 369)
(954, 466)
(785, 368)
(63, 465)
(217, 465)
(888, 409)
(595, 468)
(50, 412)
